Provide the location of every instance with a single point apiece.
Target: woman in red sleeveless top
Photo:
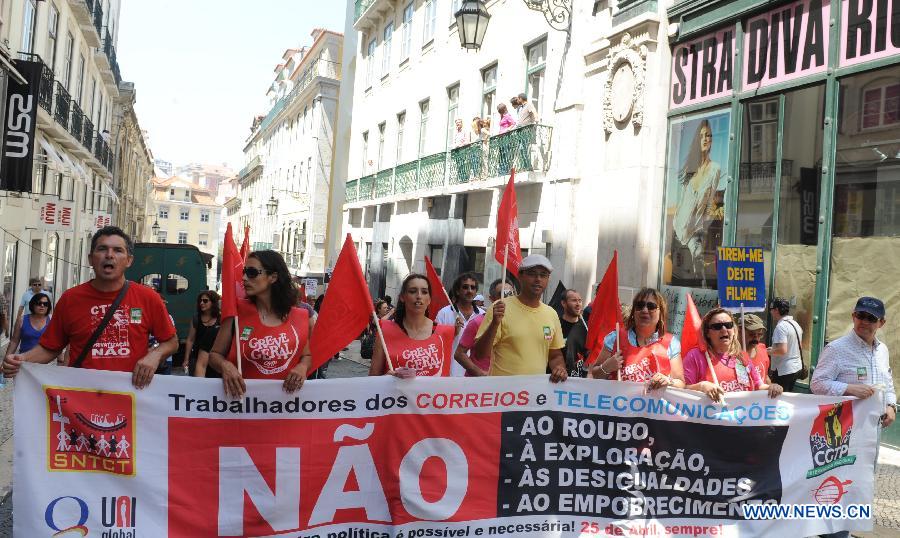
(274, 334)
(732, 371)
(417, 345)
(647, 353)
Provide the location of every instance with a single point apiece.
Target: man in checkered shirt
(857, 364)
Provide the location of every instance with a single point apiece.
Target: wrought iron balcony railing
(526, 148)
(76, 122)
(63, 105)
(45, 86)
(98, 17)
(361, 7)
(87, 134)
(318, 68)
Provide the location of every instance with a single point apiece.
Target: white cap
(535, 260)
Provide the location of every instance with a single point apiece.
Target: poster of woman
(695, 198)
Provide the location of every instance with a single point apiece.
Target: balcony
(63, 106)
(45, 87)
(251, 166)
(318, 68)
(76, 122)
(101, 57)
(87, 135)
(526, 149)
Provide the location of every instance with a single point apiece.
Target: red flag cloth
(508, 228)
(245, 246)
(690, 331)
(232, 275)
(346, 309)
(606, 310)
(438, 295)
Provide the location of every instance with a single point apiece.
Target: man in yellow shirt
(521, 333)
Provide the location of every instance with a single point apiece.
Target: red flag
(690, 330)
(439, 297)
(606, 310)
(508, 228)
(346, 309)
(232, 275)
(245, 246)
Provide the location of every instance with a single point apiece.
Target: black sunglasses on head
(253, 272)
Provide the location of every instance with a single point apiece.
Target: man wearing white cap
(522, 332)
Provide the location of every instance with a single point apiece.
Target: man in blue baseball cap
(858, 364)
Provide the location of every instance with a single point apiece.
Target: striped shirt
(850, 360)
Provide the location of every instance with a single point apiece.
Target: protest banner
(381, 456)
(741, 278)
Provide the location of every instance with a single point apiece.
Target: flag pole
(237, 346)
(712, 370)
(387, 355)
(743, 331)
(503, 277)
(618, 350)
(453, 308)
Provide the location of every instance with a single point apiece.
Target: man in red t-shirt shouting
(122, 346)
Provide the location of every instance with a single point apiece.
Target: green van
(177, 273)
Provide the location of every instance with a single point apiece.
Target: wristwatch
(893, 406)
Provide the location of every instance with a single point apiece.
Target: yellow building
(184, 213)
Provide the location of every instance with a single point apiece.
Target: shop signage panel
(703, 69)
(741, 278)
(869, 30)
(786, 43)
(21, 120)
(56, 215)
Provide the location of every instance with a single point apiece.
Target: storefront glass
(865, 246)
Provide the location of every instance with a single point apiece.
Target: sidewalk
(887, 496)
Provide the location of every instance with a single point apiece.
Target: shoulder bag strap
(100, 328)
(799, 343)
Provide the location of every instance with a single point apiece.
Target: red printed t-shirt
(428, 357)
(125, 339)
(268, 352)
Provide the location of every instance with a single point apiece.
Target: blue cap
(871, 305)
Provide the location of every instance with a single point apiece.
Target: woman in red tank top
(417, 345)
(274, 333)
(732, 370)
(646, 352)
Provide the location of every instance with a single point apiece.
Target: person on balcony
(460, 136)
(506, 120)
(528, 115)
(463, 164)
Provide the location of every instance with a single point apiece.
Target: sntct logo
(91, 431)
(831, 490)
(67, 516)
(829, 438)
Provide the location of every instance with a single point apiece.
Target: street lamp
(155, 229)
(272, 206)
(473, 17)
(472, 21)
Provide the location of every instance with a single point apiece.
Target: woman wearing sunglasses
(732, 370)
(31, 326)
(645, 352)
(417, 345)
(274, 335)
(204, 328)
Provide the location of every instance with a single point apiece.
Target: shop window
(880, 106)
(176, 284)
(866, 208)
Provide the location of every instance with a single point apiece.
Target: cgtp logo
(829, 438)
(831, 490)
(90, 431)
(68, 516)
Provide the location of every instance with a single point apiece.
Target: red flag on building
(245, 246)
(508, 229)
(690, 330)
(346, 309)
(439, 298)
(232, 275)
(606, 310)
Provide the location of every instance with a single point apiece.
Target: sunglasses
(639, 305)
(205, 300)
(720, 326)
(42, 303)
(253, 272)
(865, 316)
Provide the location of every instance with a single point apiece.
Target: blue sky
(201, 67)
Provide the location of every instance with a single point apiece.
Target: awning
(79, 169)
(52, 154)
(109, 189)
(12, 70)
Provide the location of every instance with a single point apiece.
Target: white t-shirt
(784, 334)
(447, 316)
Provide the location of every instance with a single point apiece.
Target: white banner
(373, 457)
